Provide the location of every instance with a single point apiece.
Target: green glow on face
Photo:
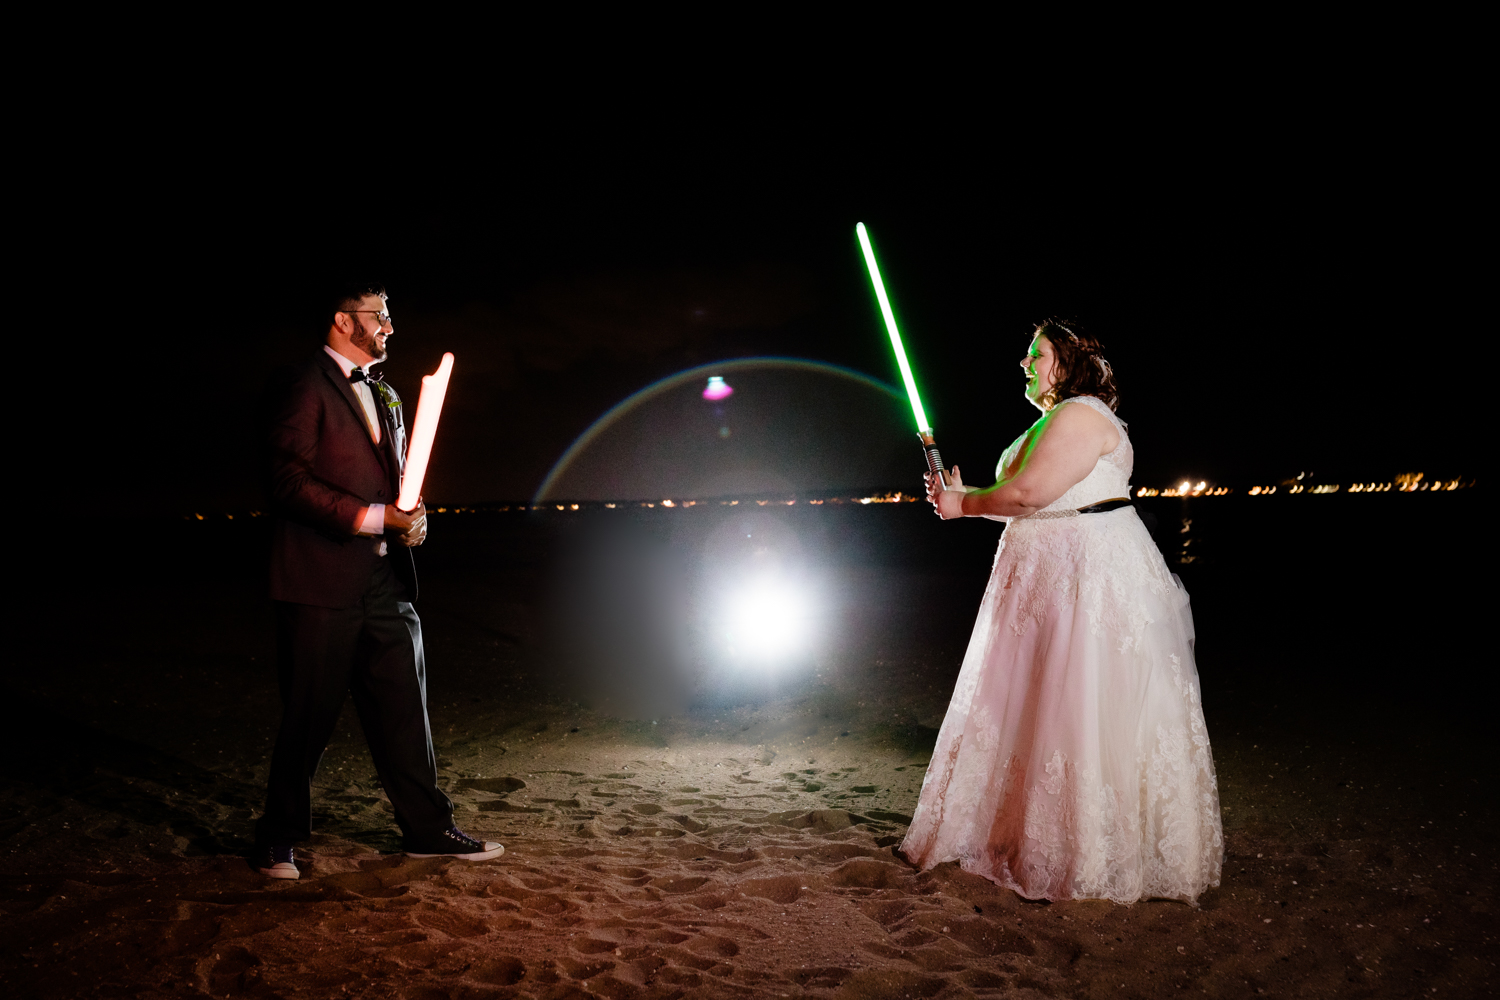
(890, 325)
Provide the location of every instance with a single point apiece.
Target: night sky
(1273, 299)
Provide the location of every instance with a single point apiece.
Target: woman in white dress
(1073, 762)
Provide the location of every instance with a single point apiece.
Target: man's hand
(412, 527)
(417, 534)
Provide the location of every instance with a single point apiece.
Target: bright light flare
(767, 620)
(717, 388)
(423, 430)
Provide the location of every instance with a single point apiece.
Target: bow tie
(359, 375)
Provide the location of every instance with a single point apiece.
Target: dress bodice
(1110, 476)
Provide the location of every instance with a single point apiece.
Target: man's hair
(347, 294)
(1079, 368)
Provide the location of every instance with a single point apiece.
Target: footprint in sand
(506, 970)
(711, 945)
(780, 889)
(421, 954)
(451, 922)
(678, 886)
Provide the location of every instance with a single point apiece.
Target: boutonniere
(389, 395)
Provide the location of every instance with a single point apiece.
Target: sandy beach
(731, 850)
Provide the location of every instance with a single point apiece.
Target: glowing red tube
(423, 430)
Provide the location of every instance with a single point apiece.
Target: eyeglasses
(381, 316)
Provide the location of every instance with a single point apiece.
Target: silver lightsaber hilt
(935, 459)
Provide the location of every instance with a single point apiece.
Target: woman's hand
(948, 503)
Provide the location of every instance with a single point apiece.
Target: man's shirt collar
(345, 365)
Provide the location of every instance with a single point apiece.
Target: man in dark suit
(343, 583)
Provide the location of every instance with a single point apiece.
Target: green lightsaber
(924, 429)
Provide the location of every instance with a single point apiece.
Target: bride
(1073, 762)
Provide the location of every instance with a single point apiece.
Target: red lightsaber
(423, 430)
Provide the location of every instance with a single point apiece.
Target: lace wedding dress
(1073, 762)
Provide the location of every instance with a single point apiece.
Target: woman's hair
(1079, 368)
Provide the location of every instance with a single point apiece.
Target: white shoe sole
(282, 870)
(479, 856)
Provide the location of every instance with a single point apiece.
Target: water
(1298, 599)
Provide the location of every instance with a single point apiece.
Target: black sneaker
(276, 861)
(454, 843)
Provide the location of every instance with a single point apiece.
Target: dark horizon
(1262, 321)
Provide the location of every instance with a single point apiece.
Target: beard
(365, 341)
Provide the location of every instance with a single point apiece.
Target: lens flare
(552, 485)
(717, 388)
(767, 621)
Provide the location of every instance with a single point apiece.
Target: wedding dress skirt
(1074, 762)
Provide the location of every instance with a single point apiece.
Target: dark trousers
(374, 651)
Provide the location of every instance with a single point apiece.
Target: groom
(342, 581)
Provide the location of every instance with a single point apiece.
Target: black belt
(1103, 506)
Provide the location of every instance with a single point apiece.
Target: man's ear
(343, 323)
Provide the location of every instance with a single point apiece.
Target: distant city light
(1186, 489)
(1406, 482)
(717, 388)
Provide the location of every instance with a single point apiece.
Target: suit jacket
(325, 467)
